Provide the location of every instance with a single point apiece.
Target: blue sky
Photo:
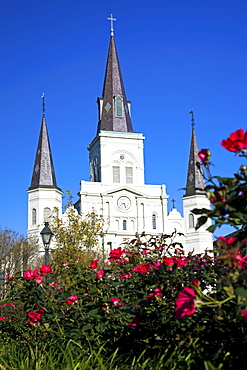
(175, 56)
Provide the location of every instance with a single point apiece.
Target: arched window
(34, 216)
(154, 226)
(124, 225)
(47, 213)
(191, 221)
(119, 106)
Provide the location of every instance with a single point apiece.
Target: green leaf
(201, 221)
(212, 228)
(200, 211)
(241, 291)
(209, 366)
(93, 312)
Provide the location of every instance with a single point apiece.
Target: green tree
(76, 240)
(17, 254)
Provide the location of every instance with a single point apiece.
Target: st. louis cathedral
(117, 189)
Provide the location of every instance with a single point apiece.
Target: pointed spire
(43, 171)
(43, 105)
(113, 107)
(194, 176)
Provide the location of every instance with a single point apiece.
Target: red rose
(45, 269)
(236, 142)
(94, 264)
(116, 254)
(195, 282)
(143, 268)
(168, 261)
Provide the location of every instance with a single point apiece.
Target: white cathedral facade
(117, 189)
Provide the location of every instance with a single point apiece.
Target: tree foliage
(76, 239)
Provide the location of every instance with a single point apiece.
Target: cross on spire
(173, 203)
(43, 104)
(192, 118)
(112, 19)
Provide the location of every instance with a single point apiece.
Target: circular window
(122, 157)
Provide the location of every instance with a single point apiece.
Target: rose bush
(148, 296)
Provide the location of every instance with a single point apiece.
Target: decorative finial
(173, 203)
(112, 19)
(192, 118)
(43, 105)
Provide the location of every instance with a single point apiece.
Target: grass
(72, 356)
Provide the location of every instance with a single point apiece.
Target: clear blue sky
(175, 55)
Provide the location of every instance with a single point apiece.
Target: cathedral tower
(197, 240)
(43, 193)
(117, 189)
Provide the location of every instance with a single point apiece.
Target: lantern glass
(46, 235)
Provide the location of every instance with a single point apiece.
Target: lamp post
(46, 235)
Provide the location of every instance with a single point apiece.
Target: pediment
(125, 189)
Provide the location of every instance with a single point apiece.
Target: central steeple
(114, 114)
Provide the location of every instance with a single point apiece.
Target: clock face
(123, 203)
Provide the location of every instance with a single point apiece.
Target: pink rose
(185, 303)
(100, 274)
(244, 312)
(157, 293)
(53, 283)
(135, 321)
(30, 274)
(157, 264)
(126, 276)
(116, 302)
(204, 155)
(72, 299)
(38, 279)
(145, 251)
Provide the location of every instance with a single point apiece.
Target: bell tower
(43, 193)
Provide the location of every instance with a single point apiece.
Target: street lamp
(46, 235)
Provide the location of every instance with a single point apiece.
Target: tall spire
(194, 176)
(43, 171)
(113, 107)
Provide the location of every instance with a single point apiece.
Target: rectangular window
(129, 175)
(119, 106)
(124, 225)
(154, 221)
(116, 174)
